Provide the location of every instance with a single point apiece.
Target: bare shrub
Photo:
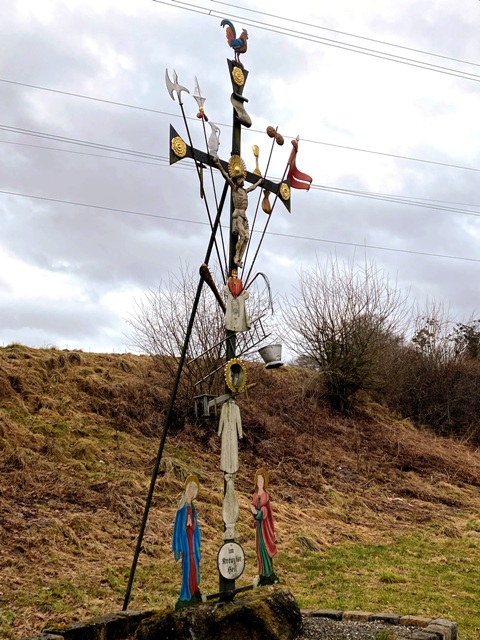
(432, 334)
(158, 326)
(438, 375)
(342, 321)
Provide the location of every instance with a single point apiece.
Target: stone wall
(119, 626)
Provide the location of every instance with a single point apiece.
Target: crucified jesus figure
(240, 203)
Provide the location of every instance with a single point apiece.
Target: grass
(385, 634)
(354, 531)
(416, 574)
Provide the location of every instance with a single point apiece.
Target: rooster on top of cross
(239, 45)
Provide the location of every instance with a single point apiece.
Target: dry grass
(78, 439)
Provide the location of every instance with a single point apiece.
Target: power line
(391, 155)
(306, 140)
(272, 233)
(163, 161)
(102, 208)
(160, 163)
(132, 106)
(192, 119)
(331, 43)
(81, 95)
(345, 33)
(379, 248)
(419, 202)
(76, 141)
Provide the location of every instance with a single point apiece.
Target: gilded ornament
(238, 77)
(179, 147)
(237, 167)
(235, 375)
(285, 191)
(256, 153)
(192, 479)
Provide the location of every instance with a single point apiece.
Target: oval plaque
(231, 560)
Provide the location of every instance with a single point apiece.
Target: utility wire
(76, 141)
(102, 208)
(163, 162)
(392, 155)
(174, 115)
(138, 107)
(345, 33)
(332, 43)
(40, 134)
(85, 97)
(272, 233)
(160, 163)
(420, 202)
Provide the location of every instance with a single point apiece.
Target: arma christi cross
(235, 174)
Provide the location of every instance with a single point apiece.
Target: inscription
(231, 560)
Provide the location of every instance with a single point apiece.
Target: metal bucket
(271, 355)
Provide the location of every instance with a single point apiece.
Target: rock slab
(272, 615)
(115, 626)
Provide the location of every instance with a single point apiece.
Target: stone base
(115, 626)
(272, 615)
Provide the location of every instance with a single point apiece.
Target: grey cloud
(106, 250)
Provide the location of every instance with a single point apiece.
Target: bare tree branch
(340, 321)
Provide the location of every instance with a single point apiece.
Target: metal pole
(224, 584)
(170, 406)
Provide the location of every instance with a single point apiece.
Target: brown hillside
(79, 434)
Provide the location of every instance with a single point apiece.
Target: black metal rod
(256, 211)
(170, 406)
(215, 195)
(231, 594)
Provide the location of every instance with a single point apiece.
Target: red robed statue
(265, 544)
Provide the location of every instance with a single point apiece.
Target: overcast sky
(384, 96)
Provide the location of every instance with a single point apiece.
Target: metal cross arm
(179, 150)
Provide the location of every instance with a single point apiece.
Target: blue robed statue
(186, 544)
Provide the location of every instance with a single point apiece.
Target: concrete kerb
(429, 628)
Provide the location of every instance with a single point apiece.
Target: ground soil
(79, 435)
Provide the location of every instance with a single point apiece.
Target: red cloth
(236, 286)
(192, 578)
(268, 528)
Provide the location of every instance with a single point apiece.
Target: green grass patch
(385, 634)
(415, 574)
(391, 578)
(7, 618)
(60, 597)
(116, 579)
(473, 525)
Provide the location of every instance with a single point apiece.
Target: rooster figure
(239, 45)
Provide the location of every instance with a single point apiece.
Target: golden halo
(237, 167)
(261, 472)
(192, 478)
(179, 147)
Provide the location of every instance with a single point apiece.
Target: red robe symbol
(235, 285)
